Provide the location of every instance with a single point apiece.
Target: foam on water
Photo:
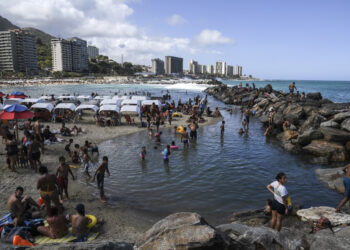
(188, 86)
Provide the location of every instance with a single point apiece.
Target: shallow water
(214, 176)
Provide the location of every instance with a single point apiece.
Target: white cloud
(176, 19)
(212, 37)
(105, 24)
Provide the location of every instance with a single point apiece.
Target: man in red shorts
(62, 176)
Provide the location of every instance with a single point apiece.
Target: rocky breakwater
(307, 123)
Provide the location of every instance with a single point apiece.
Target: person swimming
(143, 153)
(240, 131)
(173, 146)
(166, 153)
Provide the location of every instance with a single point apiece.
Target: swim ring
(174, 147)
(93, 220)
(180, 129)
(177, 114)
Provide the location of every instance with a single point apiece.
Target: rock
(335, 135)
(256, 238)
(183, 231)
(332, 178)
(313, 121)
(346, 124)
(326, 240)
(264, 119)
(290, 147)
(347, 146)
(314, 213)
(332, 151)
(330, 124)
(104, 245)
(309, 135)
(314, 96)
(263, 103)
(278, 119)
(341, 116)
(321, 160)
(326, 111)
(294, 113)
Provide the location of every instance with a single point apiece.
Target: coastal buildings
(193, 67)
(220, 68)
(238, 70)
(92, 51)
(211, 69)
(18, 52)
(158, 66)
(69, 55)
(229, 70)
(203, 69)
(173, 65)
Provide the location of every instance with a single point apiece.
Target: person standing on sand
(346, 181)
(62, 176)
(100, 176)
(48, 186)
(86, 162)
(279, 205)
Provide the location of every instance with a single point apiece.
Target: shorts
(246, 118)
(94, 150)
(36, 156)
(193, 134)
(346, 182)
(185, 141)
(280, 208)
(86, 168)
(291, 91)
(62, 182)
(100, 180)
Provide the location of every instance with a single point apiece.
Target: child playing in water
(166, 153)
(173, 146)
(240, 131)
(184, 137)
(157, 135)
(222, 128)
(143, 153)
(175, 130)
(150, 132)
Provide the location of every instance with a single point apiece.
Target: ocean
(215, 176)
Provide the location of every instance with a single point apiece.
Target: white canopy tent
(111, 102)
(67, 98)
(150, 102)
(87, 106)
(115, 108)
(69, 106)
(131, 102)
(12, 101)
(139, 97)
(43, 105)
(31, 100)
(47, 98)
(102, 97)
(84, 98)
(130, 110)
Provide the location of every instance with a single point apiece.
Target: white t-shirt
(279, 190)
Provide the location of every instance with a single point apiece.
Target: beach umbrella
(17, 94)
(16, 112)
(2, 94)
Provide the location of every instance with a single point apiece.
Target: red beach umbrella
(17, 94)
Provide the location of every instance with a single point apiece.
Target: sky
(271, 39)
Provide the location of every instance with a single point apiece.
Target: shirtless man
(58, 225)
(62, 172)
(184, 137)
(21, 207)
(100, 174)
(48, 186)
(193, 127)
(34, 153)
(216, 113)
(86, 162)
(291, 88)
(346, 181)
(79, 223)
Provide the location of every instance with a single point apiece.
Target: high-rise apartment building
(229, 70)
(79, 54)
(193, 67)
(203, 69)
(158, 66)
(238, 70)
(211, 69)
(18, 52)
(220, 68)
(61, 55)
(173, 65)
(93, 52)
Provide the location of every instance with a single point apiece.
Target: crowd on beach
(53, 188)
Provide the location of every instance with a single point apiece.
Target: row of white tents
(123, 105)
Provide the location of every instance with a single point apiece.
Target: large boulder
(98, 245)
(326, 111)
(183, 231)
(294, 113)
(313, 121)
(263, 103)
(329, 124)
(314, 96)
(335, 135)
(341, 116)
(309, 135)
(332, 178)
(346, 124)
(324, 239)
(278, 119)
(334, 152)
(264, 119)
(314, 213)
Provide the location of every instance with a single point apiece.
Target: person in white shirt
(279, 205)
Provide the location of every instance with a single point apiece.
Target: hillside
(6, 24)
(38, 34)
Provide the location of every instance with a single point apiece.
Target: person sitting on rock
(346, 181)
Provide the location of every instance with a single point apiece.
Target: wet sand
(121, 224)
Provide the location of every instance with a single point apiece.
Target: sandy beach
(121, 224)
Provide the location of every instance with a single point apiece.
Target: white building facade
(220, 68)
